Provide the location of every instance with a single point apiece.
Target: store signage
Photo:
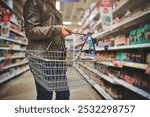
(148, 70)
(106, 13)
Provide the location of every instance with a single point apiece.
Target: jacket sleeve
(33, 28)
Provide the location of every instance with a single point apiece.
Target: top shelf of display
(3, 4)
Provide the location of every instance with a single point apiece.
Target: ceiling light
(79, 23)
(67, 23)
(58, 5)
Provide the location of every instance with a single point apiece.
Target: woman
(43, 25)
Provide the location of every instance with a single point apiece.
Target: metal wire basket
(57, 70)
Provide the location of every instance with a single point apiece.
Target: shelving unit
(12, 40)
(14, 12)
(101, 75)
(126, 47)
(13, 65)
(12, 49)
(12, 57)
(119, 82)
(123, 27)
(95, 85)
(133, 88)
(15, 52)
(13, 75)
(128, 64)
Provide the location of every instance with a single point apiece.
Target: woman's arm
(33, 28)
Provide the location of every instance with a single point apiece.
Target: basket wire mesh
(57, 70)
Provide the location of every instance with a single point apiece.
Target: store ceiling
(72, 12)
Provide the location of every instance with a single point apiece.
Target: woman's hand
(65, 31)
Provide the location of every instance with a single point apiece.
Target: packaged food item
(140, 36)
(132, 37)
(120, 40)
(148, 58)
(5, 29)
(147, 33)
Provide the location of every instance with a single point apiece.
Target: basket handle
(62, 44)
(87, 36)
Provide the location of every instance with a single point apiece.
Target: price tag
(118, 63)
(148, 70)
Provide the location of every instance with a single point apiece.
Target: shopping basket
(57, 70)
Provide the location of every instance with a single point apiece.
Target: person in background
(43, 25)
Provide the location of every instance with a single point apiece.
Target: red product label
(105, 3)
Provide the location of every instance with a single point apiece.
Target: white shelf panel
(136, 65)
(92, 17)
(100, 74)
(21, 34)
(128, 64)
(12, 49)
(13, 57)
(96, 86)
(13, 75)
(14, 65)
(133, 88)
(147, 45)
(103, 92)
(95, 26)
(12, 40)
(123, 25)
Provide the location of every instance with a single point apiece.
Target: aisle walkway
(23, 88)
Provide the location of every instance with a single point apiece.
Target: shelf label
(148, 70)
(119, 64)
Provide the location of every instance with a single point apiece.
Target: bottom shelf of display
(13, 75)
(95, 85)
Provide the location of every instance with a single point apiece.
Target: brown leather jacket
(42, 25)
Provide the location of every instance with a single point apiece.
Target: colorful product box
(132, 37)
(140, 36)
(120, 40)
(147, 33)
(5, 29)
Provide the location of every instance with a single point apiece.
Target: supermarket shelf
(14, 65)
(6, 6)
(96, 86)
(12, 76)
(136, 65)
(103, 92)
(126, 24)
(12, 57)
(88, 57)
(133, 88)
(18, 33)
(128, 6)
(92, 17)
(92, 30)
(12, 49)
(128, 64)
(14, 31)
(14, 23)
(12, 40)
(147, 45)
(90, 13)
(99, 74)
(127, 85)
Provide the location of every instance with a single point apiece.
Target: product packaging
(147, 33)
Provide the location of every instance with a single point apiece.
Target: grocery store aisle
(23, 88)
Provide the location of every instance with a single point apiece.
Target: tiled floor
(23, 88)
